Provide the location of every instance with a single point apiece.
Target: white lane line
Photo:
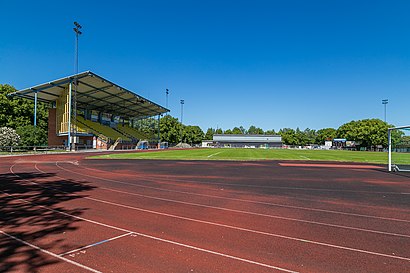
(96, 244)
(290, 188)
(48, 252)
(236, 199)
(159, 239)
(214, 154)
(239, 228)
(259, 214)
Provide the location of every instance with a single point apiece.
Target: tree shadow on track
(26, 212)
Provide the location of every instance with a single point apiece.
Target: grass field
(261, 154)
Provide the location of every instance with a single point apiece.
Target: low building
(247, 141)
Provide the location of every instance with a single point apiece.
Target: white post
(389, 137)
(69, 116)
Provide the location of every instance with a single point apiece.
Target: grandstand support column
(69, 116)
(35, 109)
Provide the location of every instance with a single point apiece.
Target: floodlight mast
(77, 33)
(182, 115)
(385, 102)
(166, 94)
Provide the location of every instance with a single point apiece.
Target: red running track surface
(65, 213)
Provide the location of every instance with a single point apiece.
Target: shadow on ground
(25, 214)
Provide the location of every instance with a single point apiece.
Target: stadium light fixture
(166, 101)
(385, 102)
(182, 115)
(77, 33)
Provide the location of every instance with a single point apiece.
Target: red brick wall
(53, 139)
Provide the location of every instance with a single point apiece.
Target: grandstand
(86, 111)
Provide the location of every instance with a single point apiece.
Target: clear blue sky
(271, 64)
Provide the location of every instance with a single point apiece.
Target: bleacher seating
(100, 129)
(132, 132)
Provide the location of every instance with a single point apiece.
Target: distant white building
(247, 141)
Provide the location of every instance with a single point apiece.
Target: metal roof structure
(95, 93)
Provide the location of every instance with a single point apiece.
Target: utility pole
(77, 33)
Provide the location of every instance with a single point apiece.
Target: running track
(64, 213)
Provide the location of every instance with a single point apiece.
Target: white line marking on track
(158, 239)
(261, 214)
(214, 154)
(241, 229)
(235, 199)
(48, 252)
(295, 188)
(96, 244)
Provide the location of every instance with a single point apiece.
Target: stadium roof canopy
(96, 93)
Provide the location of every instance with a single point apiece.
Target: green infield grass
(263, 154)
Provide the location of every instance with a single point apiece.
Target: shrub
(8, 137)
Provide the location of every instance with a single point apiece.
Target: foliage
(255, 130)
(209, 134)
(170, 129)
(18, 112)
(368, 132)
(325, 134)
(8, 137)
(192, 134)
(32, 136)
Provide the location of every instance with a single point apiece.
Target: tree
(228, 132)
(270, 132)
(192, 134)
(32, 136)
(209, 134)
(170, 129)
(368, 132)
(219, 131)
(17, 113)
(288, 136)
(255, 130)
(8, 137)
(237, 131)
(325, 134)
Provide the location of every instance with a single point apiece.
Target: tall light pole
(385, 102)
(166, 101)
(77, 33)
(182, 115)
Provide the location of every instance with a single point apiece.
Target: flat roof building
(247, 141)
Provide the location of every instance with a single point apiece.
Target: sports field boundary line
(238, 228)
(234, 199)
(48, 252)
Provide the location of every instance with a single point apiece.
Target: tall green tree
(170, 129)
(209, 134)
(192, 134)
(288, 136)
(325, 134)
(253, 130)
(18, 113)
(368, 132)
